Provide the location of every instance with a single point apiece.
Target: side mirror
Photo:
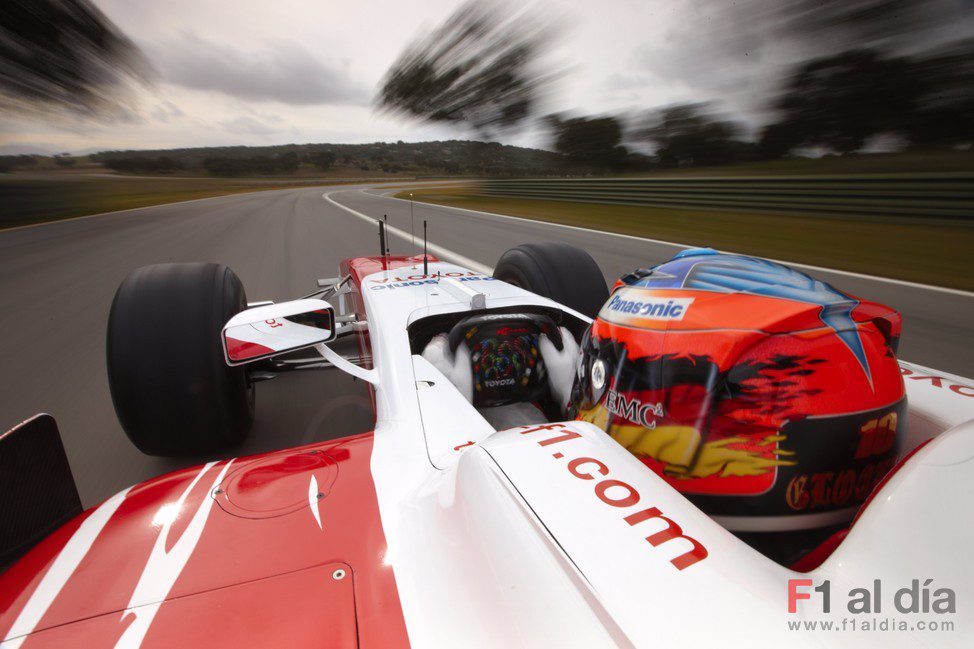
(266, 331)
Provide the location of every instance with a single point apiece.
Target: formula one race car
(724, 455)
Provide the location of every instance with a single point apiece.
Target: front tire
(173, 392)
(558, 271)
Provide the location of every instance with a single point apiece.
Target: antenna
(412, 222)
(426, 265)
(385, 251)
(382, 238)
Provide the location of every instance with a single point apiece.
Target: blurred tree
(843, 98)
(688, 135)
(819, 27)
(288, 163)
(11, 162)
(479, 70)
(589, 141)
(452, 156)
(945, 114)
(142, 164)
(841, 24)
(255, 165)
(63, 54)
(322, 159)
(839, 101)
(777, 140)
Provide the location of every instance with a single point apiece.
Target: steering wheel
(540, 323)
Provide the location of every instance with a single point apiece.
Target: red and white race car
(454, 523)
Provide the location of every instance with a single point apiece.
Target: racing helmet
(772, 400)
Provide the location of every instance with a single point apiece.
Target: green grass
(928, 251)
(37, 197)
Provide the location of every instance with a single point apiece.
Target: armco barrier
(906, 195)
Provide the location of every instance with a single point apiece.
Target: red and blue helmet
(771, 399)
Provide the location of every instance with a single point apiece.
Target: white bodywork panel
(500, 540)
(938, 401)
(918, 527)
(263, 331)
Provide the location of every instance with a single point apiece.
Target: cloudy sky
(277, 71)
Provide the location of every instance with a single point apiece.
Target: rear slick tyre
(558, 271)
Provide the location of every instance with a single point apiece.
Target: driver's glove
(561, 366)
(456, 367)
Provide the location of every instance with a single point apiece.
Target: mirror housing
(265, 331)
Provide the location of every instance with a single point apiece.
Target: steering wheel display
(507, 366)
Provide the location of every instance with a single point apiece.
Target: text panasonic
(653, 308)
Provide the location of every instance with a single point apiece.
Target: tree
(479, 70)
(886, 24)
(777, 140)
(142, 164)
(287, 163)
(589, 141)
(687, 135)
(945, 109)
(838, 102)
(63, 55)
(11, 162)
(323, 159)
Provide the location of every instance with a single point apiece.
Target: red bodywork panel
(359, 268)
(262, 572)
(299, 609)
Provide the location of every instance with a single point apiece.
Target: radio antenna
(382, 238)
(412, 222)
(385, 251)
(426, 266)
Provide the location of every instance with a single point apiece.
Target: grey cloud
(166, 111)
(249, 125)
(618, 81)
(283, 72)
(740, 78)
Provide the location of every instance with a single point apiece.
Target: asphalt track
(57, 281)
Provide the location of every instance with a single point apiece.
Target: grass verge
(927, 251)
(35, 198)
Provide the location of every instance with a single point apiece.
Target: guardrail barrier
(906, 195)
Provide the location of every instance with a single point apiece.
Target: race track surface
(57, 281)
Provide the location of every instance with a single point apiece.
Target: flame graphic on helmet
(683, 456)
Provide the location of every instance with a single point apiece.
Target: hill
(451, 157)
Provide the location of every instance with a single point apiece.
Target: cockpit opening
(516, 366)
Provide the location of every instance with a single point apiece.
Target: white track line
(439, 251)
(848, 273)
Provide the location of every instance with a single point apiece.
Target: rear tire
(558, 271)
(173, 392)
